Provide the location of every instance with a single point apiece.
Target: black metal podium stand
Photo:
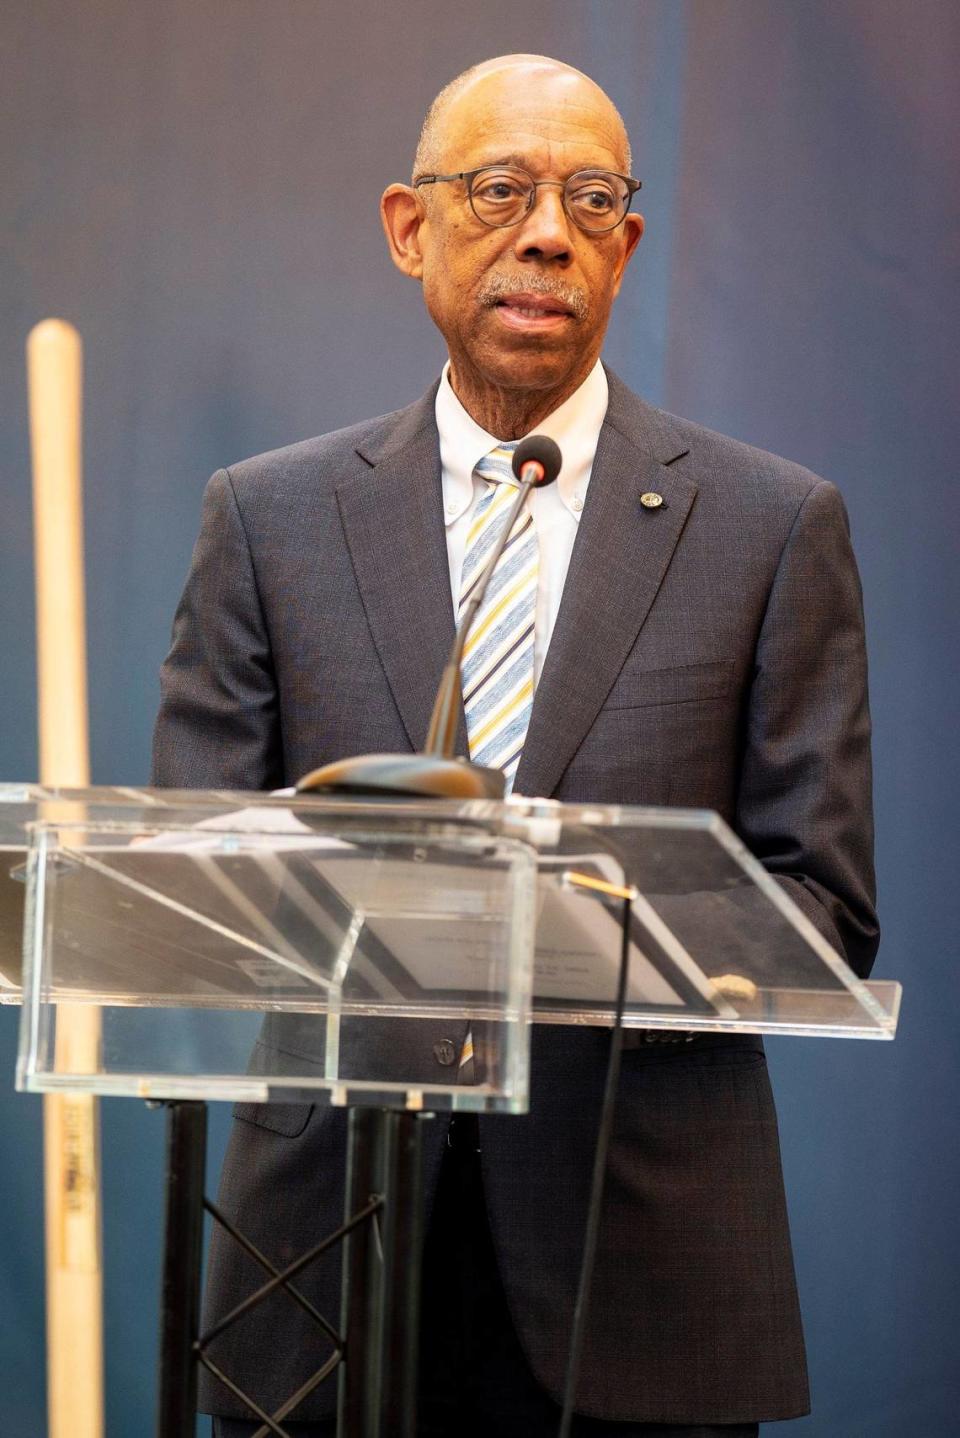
(375, 1344)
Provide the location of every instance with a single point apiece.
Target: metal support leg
(381, 1285)
(182, 1259)
(402, 1245)
(361, 1317)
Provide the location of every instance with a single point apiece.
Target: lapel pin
(650, 500)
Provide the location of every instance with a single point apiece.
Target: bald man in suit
(702, 649)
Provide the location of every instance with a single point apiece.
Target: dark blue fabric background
(194, 184)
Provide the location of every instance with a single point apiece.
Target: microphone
(436, 773)
(537, 459)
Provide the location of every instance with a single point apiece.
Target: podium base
(375, 1351)
(427, 775)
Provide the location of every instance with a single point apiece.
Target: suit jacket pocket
(678, 684)
(289, 1119)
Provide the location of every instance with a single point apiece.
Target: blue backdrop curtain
(194, 185)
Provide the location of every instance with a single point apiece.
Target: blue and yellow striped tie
(497, 669)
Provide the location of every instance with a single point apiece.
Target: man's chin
(526, 363)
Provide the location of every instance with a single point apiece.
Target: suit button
(445, 1052)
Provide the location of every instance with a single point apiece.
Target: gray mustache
(498, 286)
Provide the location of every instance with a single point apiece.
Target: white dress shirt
(555, 509)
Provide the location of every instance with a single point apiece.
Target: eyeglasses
(595, 200)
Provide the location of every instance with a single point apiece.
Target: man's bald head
(521, 294)
(471, 84)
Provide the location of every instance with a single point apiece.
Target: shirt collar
(575, 426)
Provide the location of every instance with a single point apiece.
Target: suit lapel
(620, 557)
(392, 515)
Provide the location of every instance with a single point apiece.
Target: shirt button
(576, 503)
(451, 510)
(445, 1052)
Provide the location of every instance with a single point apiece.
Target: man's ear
(402, 213)
(633, 233)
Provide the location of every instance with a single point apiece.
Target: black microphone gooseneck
(436, 773)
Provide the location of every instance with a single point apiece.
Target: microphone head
(541, 450)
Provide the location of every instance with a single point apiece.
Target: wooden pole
(71, 1141)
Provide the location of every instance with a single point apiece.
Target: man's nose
(544, 232)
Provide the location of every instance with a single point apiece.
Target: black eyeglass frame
(470, 176)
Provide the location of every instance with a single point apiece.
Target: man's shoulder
(709, 458)
(334, 456)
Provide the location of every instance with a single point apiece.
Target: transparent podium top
(270, 948)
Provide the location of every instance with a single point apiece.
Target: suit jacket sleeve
(804, 800)
(218, 725)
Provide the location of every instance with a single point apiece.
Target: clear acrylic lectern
(271, 949)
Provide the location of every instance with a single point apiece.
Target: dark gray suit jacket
(708, 653)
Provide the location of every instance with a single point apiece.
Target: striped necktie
(497, 669)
